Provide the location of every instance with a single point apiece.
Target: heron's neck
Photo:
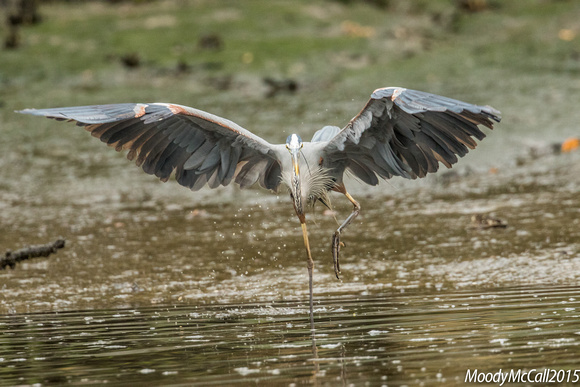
(296, 189)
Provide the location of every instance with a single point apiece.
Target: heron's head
(294, 145)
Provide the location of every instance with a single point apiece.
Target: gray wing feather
(402, 132)
(200, 148)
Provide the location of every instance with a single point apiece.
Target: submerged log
(11, 258)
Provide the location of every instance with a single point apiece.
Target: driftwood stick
(11, 258)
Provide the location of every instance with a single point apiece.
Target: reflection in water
(314, 350)
(393, 339)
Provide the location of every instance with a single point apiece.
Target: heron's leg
(310, 263)
(336, 243)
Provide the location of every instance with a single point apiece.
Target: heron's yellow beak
(295, 155)
(295, 189)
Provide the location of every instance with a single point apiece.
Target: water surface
(159, 290)
(414, 338)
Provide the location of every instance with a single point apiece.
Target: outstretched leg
(336, 243)
(310, 263)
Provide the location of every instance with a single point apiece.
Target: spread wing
(162, 138)
(402, 132)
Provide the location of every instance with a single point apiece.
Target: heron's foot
(336, 245)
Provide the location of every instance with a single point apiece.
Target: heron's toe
(336, 244)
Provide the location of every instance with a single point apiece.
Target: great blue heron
(399, 132)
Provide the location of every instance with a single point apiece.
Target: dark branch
(12, 258)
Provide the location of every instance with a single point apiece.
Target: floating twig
(11, 258)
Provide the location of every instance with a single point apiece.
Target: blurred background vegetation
(277, 66)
